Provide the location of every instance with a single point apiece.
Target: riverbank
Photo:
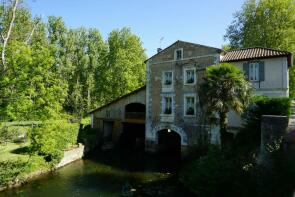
(29, 166)
(106, 174)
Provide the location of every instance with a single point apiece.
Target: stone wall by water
(72, 155)
(273, 128)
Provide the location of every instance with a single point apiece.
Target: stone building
(165, 115)
(172, 101)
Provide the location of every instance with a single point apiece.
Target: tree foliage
(126, 68)
(51, 69)
(265, 23)
(225, 88)
(52, 138)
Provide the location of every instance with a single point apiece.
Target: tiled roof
(255, 53)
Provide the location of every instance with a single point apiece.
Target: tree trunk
(223, 128)
(36, 23)
(6, 38)
(88, 99)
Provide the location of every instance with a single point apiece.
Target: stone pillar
(273, 128)
(150, 142)
(151, 146)
(214, 134)
(184, 151)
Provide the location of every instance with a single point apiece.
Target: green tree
(265, 23)
(126, 68)
(33, 90)
(225, 88)
(85, 69)
(48, 68)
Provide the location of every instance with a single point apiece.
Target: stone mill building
(165, 115)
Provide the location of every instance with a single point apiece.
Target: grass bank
(39, 151)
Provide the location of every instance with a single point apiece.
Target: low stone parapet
(72, 155)
(273, 128)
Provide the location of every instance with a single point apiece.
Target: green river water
(107, 174)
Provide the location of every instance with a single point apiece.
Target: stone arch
(172, 127)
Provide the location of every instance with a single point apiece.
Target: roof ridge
(199, 44)
(258, 47)
(256, 53)
(183, 42)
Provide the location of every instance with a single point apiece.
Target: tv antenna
(160, 42)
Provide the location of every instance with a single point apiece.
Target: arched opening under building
(133, 131)
(169, 149)
(135, 111)
(169, 142)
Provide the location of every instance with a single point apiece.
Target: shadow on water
(134, 161)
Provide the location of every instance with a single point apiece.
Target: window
(189, 76)
(190, 105)
(254, 71)
(167, 105)
(178, 54)
(167, 78)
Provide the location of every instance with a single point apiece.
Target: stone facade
(191, 128)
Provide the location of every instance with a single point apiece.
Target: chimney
(159, 50)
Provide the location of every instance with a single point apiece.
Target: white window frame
(164, 105)
(185, 76)
(254, 71)
(185, 104)
(175, 53)
(163, 79)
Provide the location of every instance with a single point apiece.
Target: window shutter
(261, 71)
(246, 70)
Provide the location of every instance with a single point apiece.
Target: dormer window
(178, 54)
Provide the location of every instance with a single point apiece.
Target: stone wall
(71, 155)
(273, 128)
(194, 128)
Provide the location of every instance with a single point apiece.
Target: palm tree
(225, 88)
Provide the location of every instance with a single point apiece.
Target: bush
(216, 174)
(13, 133)
(277, 178)
(88, 136)
(10, 170)
(52, 138)
(260, 105)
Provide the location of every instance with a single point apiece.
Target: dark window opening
(135, 111)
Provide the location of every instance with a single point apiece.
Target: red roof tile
(255, 53)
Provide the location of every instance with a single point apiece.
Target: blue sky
(197, 21)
